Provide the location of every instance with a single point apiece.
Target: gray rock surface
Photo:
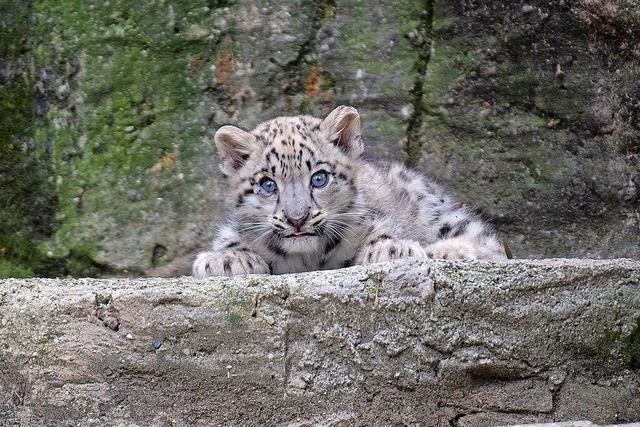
(575, 424)
(429, 343)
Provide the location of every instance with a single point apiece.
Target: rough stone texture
(527, 109)
(575, 424)
(420, 343)
(531, 112)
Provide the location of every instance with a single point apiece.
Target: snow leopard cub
(302, 199)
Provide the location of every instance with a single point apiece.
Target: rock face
(411, 343)
(529, 113)
(527, 110)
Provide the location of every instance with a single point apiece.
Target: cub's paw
(228, 263)
(386, 250)
(462, 249)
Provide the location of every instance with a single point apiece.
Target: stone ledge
(575, 424)
(429, 343)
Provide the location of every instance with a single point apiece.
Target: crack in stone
(296, 70)
(422, 39)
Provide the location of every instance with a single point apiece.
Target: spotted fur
(302, 199)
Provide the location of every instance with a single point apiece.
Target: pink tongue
(299, 233)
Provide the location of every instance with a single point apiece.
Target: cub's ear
(342, 127)
(234, 145)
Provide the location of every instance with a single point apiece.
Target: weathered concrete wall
(575, 424)
(427, 343)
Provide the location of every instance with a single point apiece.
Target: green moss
(8, 269)
(540, 166)
(477, 108)
(236, 319)
(119, 140)
(450, 62)
(628, 348)
(27, 198)
(239, 304)
(102, 299)
(15, 28)
(631, 349)
(604, 345)
(363, 37)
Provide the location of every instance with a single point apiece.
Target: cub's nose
(297, 223)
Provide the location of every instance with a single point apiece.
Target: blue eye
(268, 186)
(319, 179)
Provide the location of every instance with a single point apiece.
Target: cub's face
(293, 180)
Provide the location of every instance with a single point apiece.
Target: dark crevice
(256, 303)
(159, 251)
(294, 75)
(308, 45)
(555, 393)
(422, 39)
(455, 421)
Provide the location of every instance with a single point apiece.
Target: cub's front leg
(462, 236)
(457, 248)
(229, 262)
(385, 248)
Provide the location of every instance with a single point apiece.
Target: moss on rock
(517, 123)
(125, 114)
(631, 350)
(27, 198)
